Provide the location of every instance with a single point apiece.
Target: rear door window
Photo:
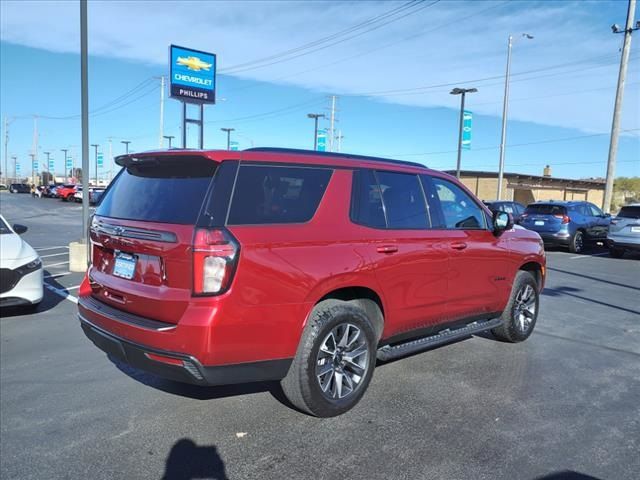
(630, 212)
(268, 194)
(403, 200)
(170, 190)
(546, 209)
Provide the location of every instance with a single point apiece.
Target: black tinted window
(459, 211)
(403, 200)
(630, 212)
(273, 194)
(366, 200)
(168, 191)
(546, 209)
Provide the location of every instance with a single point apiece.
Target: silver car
(624, 231)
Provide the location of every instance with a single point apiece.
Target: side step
(389, 352)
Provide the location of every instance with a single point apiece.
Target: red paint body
(422, 277)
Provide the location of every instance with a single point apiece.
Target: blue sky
(392, 77)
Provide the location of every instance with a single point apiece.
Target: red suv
(218, 267)
(66, 192)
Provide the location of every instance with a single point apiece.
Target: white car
(21, 275)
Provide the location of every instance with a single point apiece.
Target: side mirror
(502, 221)
(19, 229)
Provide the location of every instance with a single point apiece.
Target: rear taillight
(565, 218)
(523, 216)
(215, 255)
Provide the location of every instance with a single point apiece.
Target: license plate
(538, 222)
(635, 229)
(125, 265)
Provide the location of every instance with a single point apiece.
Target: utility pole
(462, 92)
(84, 103)
(34, 146)
(228, 130)
(33, 170)
(315, 117)
(505, 108)
(95, 146)
(617, 109)
(332, 122)
(6, 149)
(48, 154)
(126, 144)
(169, 137)
(15, 168)
(65, 150)
(162, 112)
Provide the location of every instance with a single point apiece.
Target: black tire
(616, 252)
(511, 329)
(576, 244)
(301, 385)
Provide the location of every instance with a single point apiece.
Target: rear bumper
(168, 364)
(621, 242)
(555, 238)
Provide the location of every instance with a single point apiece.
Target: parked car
(624, 231)
(77, 197)
(571, 224)
(19, 188)
(94, 194)
(67, 191)
(21, 274)
(514, 208)
(3, 187)
(298, 266)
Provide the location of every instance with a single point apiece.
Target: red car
(299, 266)
(66, 192)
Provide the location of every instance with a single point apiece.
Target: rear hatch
(544, 217)
(142, 234)
(627, 222)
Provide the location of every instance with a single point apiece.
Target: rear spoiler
(155, 158)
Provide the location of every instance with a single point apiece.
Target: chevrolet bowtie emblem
(193, 63)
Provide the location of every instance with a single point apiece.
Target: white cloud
(448, 42)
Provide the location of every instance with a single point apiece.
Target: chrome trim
(102, 227)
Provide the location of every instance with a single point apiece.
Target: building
(525, 188)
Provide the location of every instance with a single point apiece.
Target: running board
(389, 352)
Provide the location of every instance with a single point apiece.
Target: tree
(77, 173)
(626, 190)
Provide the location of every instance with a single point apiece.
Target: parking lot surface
(566, 400)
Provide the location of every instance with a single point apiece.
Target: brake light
(524, 215)
(215, 255)
(565, 218)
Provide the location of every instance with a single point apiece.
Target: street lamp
(126, 144)
(228, 130)
(315, 117)
(95, 146)
(505, 106)
(169, 137)
(462, 92)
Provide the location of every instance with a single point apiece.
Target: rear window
(277, 194)
(546, 209)
(630, 212)
(167, 191)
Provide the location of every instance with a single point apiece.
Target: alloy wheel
(524, 308)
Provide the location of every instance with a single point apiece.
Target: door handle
(387, 249)
(458, 245)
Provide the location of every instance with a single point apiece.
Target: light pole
(126, 144)
(65, 150)
(462, 92)
(228, 130)
(95, 146)
(169, 137)
(48, 154)
(315, 117)
(15, 168)
(33, 170)
(505, 106)
(617, 109)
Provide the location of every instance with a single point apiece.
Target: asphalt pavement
(563, 404)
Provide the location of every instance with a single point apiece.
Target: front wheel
(334, 362)
(519, 318)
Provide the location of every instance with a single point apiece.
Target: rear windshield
(167, 191)
(630, 212)
(546, 209)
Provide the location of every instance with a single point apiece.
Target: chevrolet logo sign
(193, 63)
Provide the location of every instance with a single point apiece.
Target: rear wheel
(334, 362)
(576, 245)
(519, 318)
(616, 252)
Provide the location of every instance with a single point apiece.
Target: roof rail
(333, 154)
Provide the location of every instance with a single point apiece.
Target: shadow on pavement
(567, 475)
(49, 301)
(558, 292)
(188, 461)
(595, 279)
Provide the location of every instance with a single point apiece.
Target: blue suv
(569, 224)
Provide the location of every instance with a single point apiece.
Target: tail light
(565, 218)
(523, 216)
(215, 256)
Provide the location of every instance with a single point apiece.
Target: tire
(517, 324)
(342, 385)
(616, 252)
(576, 244)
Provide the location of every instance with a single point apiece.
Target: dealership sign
(193, 75)
(467, 119)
